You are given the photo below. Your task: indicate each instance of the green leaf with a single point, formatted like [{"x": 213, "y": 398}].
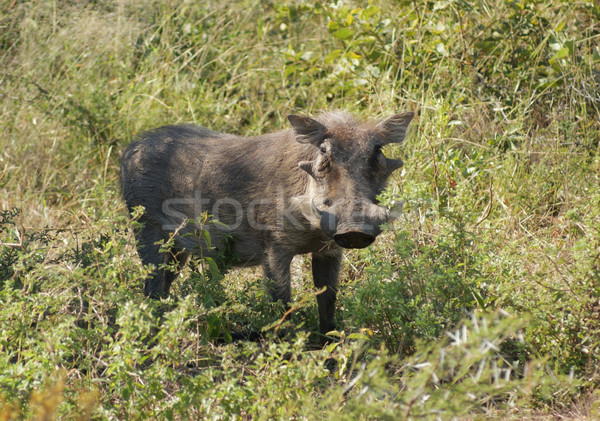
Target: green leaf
[
  {"x": 213, "y": 268},
  {"x": 559, "y": 27},
  {"x": 333, "y": 25},
  {"x": 334, "y": 333},
  {"x": 562, "y": 53},
  {"x": 570, "y": 45},
  {"x": 214, "y": 326},
  {"x": 289, "y": 70},
  {"x": 479, "y": 299},
  {"x": 332, "y": 56},
  {"x": 369, "y": 12},
  {"x": 206, "y": 236},
  {"x": 487, "y": 46},
  {"x": 343, "y": 33},
  {"x": 332, "y": 346},
  {"x": 358, "y": 336}
]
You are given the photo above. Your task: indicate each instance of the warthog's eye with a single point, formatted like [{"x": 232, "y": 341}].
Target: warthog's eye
[
  {"x": 377, "y": 151},
  {"x": 377, "y": 158}
]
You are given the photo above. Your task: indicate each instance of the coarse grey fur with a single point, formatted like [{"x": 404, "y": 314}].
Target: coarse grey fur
[{"x": 308, "y": 189}]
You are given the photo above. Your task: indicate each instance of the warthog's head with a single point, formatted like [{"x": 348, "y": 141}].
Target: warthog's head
[{"x": 348, "y": 173}]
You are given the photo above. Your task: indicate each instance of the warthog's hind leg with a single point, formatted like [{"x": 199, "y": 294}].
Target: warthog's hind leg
[
  {"x": 276, "y": 266},
  {"x": 160, "y": 280}
]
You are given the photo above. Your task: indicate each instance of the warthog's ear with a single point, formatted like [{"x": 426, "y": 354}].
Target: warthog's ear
[
  {"x": 307, "y": 129},
  {"x": 394, "y": 128}
]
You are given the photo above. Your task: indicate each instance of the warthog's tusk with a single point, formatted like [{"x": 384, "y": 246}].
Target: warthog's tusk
[{"x": 315, "y": 210}]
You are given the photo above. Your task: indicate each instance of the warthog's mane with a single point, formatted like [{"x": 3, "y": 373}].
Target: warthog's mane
[
  {"x": 345, "y": 127},
  {"x": 337, "y": 118}
]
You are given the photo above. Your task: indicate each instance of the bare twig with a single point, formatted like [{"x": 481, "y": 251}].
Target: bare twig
[
  {"x": 490, "y": 204},
  {"x": 562, "y": 276},
  {"x": 435, "y": 172},
  {"x": 297, "y": 306},
  {"x": 15, "y": 245}
]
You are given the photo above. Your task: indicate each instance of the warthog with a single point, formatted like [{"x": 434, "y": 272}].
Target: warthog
[{"x": 309, "y": 189}]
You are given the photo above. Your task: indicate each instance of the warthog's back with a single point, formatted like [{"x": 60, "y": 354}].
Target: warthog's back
[
  {"x": 178, "y": 172},
  {"x": 163, "y": 163}
]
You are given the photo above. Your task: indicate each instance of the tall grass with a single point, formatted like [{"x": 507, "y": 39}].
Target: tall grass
[{"x": 482, "y": 300}]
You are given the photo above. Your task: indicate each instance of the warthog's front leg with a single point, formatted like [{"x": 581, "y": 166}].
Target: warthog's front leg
[{"x": 325, "y": 269}]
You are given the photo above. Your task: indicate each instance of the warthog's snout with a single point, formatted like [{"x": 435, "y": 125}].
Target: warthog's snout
[
  {"x": 354, "y": 239},
  {"x": 352, "y": 226}
]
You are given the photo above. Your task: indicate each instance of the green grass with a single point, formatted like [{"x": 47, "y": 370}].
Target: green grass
[{"x": 483, "y": 299}]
